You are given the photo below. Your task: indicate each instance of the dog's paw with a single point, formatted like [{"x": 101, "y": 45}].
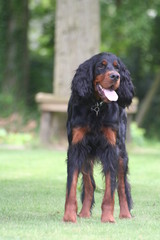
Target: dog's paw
[
  {"x": 70, "y": 217},
  {"x": 107, "y": 218}
]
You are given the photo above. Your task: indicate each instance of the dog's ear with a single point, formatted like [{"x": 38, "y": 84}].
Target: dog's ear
[
  {"x": 82, "y": 83},
  {"x": 126, "y": 89}
]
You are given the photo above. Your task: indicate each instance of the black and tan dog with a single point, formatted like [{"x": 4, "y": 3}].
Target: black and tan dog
[{"x": 96, "y": 127}]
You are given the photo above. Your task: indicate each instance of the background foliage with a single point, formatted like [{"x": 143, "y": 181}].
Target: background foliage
[
  {"x": 41, "y": 45},
  {"x": 129, "y": 28}
]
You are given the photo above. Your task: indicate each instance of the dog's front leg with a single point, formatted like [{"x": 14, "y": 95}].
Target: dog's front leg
[
  {"x": 70, "y": 214},
  {"x": 87, "y": 193},
  {"x": 108, "y": 202},
  {"x": 109, "y": 160}
]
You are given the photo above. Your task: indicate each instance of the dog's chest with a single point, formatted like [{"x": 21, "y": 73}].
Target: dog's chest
[{"x": 96, "y": 116}]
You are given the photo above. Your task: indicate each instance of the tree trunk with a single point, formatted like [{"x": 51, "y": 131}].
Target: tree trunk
[
  {"x": 15, "y": 68},
  {"x": 77, "y": 38},
  {"x": 145, "y": 105}
]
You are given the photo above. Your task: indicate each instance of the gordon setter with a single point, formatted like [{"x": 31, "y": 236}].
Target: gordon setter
[{"x": 96, "y": 127}]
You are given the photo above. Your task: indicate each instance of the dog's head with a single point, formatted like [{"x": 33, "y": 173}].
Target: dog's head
[{"x": 104, "y": 77}]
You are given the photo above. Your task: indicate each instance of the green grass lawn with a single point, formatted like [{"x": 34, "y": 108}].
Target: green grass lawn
[{"x": 32, "y": 195}]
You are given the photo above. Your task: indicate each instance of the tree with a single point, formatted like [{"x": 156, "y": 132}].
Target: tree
[
  {"x": 14, "y": 62},
  {"x": 41, "y": 47},
  {"x": 77, "y": 38}
]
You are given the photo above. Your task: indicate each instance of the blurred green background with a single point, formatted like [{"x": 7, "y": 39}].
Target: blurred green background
[{"x": 130, "y": 29}]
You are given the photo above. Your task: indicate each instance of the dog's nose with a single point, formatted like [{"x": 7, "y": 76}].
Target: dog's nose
[{"x": 114, "y": 76}]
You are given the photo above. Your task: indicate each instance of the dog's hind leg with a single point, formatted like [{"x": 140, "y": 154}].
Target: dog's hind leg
[
  {"x": 125, "y": 200},
  {"x": 88, "y": 185}
]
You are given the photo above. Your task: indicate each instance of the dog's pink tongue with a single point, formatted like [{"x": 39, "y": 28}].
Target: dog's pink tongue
[{"x": 111, "y": 95}]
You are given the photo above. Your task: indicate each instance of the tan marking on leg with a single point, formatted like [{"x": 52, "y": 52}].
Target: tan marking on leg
[
  {"x": 124, "y": 211},
  {"x": 88, "y": 196},
  {"x": 108, "y": 202},
  {"x": 70, "y": 214},
  {"x": 78, "y": 134},
  {"x": 110, "y": 134}
]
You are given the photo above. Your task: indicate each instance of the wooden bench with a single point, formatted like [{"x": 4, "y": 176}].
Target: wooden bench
[
  {"x": 53, "y": 107},
  {"x": 130, "y": 113}
]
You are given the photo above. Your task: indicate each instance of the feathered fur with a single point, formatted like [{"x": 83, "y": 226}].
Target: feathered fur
[{"x": 96, "y": 129}]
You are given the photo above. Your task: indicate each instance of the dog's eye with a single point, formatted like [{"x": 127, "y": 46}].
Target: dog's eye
[
  {"x": 115, "y": 64},
  {"x": 116, "y": 67},
  {"x": 103, "y": 64}
]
